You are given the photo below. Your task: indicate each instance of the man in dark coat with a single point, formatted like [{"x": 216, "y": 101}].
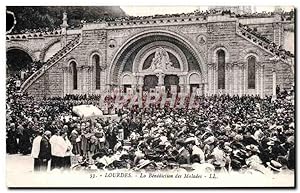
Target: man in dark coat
[
  {"x": 11, "y": 141},
  {"x": 183, "y": 156},
  {"x": 45, "y": 151}
]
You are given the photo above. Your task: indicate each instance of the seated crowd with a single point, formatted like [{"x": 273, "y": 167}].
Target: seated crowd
[{"x": 225, "y": 133}]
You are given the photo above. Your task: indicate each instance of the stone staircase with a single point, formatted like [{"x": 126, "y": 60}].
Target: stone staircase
[
  {"x": 254, "y": 37},
  {"x": 50, "y": 62}
]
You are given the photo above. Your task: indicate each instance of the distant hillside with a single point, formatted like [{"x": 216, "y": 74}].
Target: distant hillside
[{"x": 34, "y": 17}]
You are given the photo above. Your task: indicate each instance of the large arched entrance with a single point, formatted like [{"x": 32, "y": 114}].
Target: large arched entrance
[
  {"x": 159, "y": 60},
  {"x": 17, "y": 60}
]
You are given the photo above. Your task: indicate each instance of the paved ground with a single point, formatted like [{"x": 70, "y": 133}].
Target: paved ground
[{"x": 18, "y": 162}]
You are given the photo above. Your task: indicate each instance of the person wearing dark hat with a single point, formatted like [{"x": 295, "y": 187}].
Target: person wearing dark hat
[
  {"x": 45, "y": 151},
  {"x": 183, "y": 156}
]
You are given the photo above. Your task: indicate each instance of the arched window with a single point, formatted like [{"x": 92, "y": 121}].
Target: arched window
[
  {"x": 221, "y": 69},
  {"x": 96, "y": 63},
  {"x": 251, "y": 72},
  {"x": 74, "y": 72}
]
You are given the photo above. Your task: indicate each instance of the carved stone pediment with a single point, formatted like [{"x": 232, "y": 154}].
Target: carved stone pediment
[{"x": 161, "y": 62}]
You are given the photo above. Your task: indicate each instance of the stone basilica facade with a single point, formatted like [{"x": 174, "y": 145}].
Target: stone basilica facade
[{"x": 209, "y": 55}]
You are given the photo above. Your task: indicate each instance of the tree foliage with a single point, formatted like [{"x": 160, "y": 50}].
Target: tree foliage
[{"x": 34, "y": 17}]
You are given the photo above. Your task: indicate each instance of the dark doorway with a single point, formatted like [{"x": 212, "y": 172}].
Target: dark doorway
[
  {"x": 193, "y": 87},
  {"x": 126, "y": 87},
  {"x": 150, "y": 81},
  {"x": 171, "y": 80},
  {"x": 17, "y": 60}
]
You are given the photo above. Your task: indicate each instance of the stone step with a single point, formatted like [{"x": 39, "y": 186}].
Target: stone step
[{"x": 55, "y": 58}]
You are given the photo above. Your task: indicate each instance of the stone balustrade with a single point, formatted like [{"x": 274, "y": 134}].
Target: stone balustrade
[
  {"x": 156, "y": 21},
  {"x": 51, "y": 61},
  {"x": 27, "y": 36},
  {"x": 271, "y": 47}
]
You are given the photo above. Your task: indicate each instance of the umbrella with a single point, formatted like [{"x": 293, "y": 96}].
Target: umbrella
[{"x": 87, "y": 111}]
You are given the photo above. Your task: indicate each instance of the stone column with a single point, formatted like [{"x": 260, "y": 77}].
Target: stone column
[
  {"x": 235, "y": 78},
  {"x": 245, "y": 80},
  {"x": 257, "y": 78},
  {"x": 205, "y": 89},
  {"x": 231, "y": 92},
  {"x": 262, "y": 80},
  {"x": 228, "y": 79},
  {"x": 65, "y": 77},
  {"x": 70, "y": 80},
  {"x": 82, "y": 79},
  {"x": 215, "y": 80},
  {"x": 140, "y": 80},
  {"x": 160, "y": 79},
  {"x": 210, "y": 79},
  {"x": 183, "y": 87},
  {"x": 274, "y": 83},
  {"x": 88, "y": 79},
  {"x": 241, "y": 78}
]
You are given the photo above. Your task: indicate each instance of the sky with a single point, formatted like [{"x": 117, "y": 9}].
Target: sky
[{"x": 152, "y": 10}]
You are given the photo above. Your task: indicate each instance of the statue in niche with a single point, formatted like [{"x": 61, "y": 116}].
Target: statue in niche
[{"x": 161, "y": 60}]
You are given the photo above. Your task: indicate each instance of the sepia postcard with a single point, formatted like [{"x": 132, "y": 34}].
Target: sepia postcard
[{"x": 150, "y": 97}]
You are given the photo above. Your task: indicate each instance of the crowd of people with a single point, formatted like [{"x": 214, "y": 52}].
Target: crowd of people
[
  {"x": 18, "y": 77},
  {"x": 285, "y": 16},
  {"x": 278, "y": 49},
  {"x": 225, "y": 133},
  {"x": 40, "y": 30}
]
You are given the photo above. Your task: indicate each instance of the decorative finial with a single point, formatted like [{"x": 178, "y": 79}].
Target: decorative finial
[{"x": 65, "y": 20}]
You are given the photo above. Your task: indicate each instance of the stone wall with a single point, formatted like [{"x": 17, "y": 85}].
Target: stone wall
[{"x": 57, "y": 81}]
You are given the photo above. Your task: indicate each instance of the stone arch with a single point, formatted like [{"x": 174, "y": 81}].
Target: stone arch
[
  {"x": 170, "y": 34},
  {"x": 249, "y": 54},
  {"x": 194, "y": 75},
  {"x": 150, "y": 48},
  {"x": 212, "y": 54},
  {"x": 90, "y": 55},
  {"x": 24, "y": 49},
  {"x": 46, "y": 48},
  {"x": 126, "y": 78},
  {"x": 69, "y": 60},
  {"x": 96, "y": 73},
  {"x": 73, "y": 65}
]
